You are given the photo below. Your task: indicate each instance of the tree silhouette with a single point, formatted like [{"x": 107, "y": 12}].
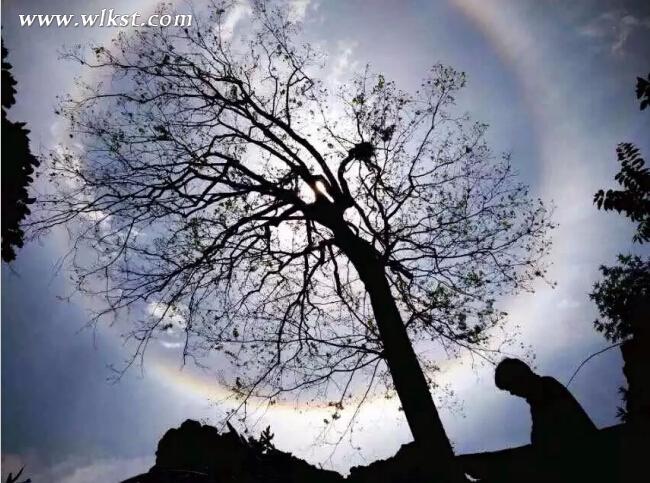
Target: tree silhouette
[
  {"x": 315, "y": 240},
  {"x": 626, "y": 285},
  {"x": 643, "y": 91},
  {"x": 618, "y": 294},
  {"x": 634, "y": 199},
  {"x": 18, "y": 165},
  {"x": 623, "y": 295}
]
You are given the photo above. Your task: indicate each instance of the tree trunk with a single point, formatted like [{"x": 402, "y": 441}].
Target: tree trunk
[{"x": 408, "y": 378}]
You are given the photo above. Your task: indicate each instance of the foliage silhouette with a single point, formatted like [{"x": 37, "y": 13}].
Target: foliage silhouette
[
  {"x": 634, "y": 199},
  {"x": 18, "y": 165},
  {"x": 14, "y": 479},
  {"x": 317, "y": 241},
  {"x": 618, "y": 293},
  {"x": 623, "y": 295},
  {"x": 643, "y": 91}
]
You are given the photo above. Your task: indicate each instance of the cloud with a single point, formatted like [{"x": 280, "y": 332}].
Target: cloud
[
  {"x": 107, "y": 470},
  {"x": 343, "y": 62},
  {"x": 298, "y": 9},
  {"x": 174, "y": 322},
  {"x": 240, "y": 11},
  {"x": 166, "y": 313},
  {"x": 76, "y": 469},
  {"x": 171, "y": 345},
  {"x": 614, "y": 28},
  {"x": 568, "y": 304}
]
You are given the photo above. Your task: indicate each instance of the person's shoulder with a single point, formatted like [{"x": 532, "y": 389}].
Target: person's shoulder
[
  {"x": 552, "y": 385},
  {"x": 550, "y": 381}
]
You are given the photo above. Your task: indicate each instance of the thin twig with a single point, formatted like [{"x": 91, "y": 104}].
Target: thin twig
[{"x": 590, "y": 357}]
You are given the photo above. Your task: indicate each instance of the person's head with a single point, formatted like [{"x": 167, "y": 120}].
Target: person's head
[{"x": 514, "y": 376}]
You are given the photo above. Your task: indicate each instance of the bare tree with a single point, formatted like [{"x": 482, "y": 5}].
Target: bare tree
[{"x": 310, "y": 237}]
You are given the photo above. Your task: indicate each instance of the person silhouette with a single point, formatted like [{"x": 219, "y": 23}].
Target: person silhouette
[
  {"x": 563, "y": 437},
  {"x": 559, "y": 422}
]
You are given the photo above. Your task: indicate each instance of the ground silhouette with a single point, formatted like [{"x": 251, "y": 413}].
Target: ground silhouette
[{"x": 196, "y": 453}]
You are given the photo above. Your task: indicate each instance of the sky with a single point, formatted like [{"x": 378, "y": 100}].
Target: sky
[{"x": 555, "y": 81}]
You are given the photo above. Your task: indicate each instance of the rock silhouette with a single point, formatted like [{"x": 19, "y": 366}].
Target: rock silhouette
[{"x": 196, "y": 453}]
